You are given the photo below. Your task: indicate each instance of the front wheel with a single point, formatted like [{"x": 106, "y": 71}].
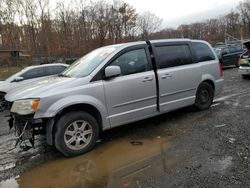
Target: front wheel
[
  {"x": 204, "y": 96},
  {"x": 76, "y": 133}
]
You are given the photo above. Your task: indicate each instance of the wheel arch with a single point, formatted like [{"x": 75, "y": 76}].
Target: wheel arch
[
  {"x": 92, "y": 110},
  {"x": 209, "y": 81}
]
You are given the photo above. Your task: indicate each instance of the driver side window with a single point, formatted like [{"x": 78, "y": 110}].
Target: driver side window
[{"x": 132, "y": 62}]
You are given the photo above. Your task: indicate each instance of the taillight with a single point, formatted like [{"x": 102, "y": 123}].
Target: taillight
[{"x": 221, "y": 72}]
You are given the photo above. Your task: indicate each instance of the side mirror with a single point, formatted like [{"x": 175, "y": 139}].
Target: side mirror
[
  {"x": 18, "y": 79},
  {"x": 112, "y": 71}
]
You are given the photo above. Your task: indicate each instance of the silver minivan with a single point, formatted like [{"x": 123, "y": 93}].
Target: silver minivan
[{"x": 113, "y": 86}]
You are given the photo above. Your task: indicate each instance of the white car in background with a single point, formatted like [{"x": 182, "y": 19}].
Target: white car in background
[{"x": 30, "y": 74}]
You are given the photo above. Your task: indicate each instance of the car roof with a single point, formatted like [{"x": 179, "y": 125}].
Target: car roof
[
  {"x": 126, "y": 44},
  {"x": 227, "y": 45},
  {"x": 47, "y": 65},
  {"x": 154, "y": 42},
  {"x": 169, "y": 40}
]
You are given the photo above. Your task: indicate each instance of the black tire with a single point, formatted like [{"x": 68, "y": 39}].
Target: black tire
[
  {"x": 204, "y": 96},
  {"x": 68, "y": 121}
]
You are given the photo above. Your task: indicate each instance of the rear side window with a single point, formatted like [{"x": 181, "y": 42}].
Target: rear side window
[
  {"x": 173, "y": 55},
  {"x": 232, "y": 49},
  {"x": 203, "y": 52},
  {"x": 34, "y": 73},
  {"x": 238, "y": 48},
  {"x": 51, "y": 70}
]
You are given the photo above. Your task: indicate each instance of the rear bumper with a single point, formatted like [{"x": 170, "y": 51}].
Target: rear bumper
[
  {"x": 244, "y": 70},
  {"x": 219, "y": 86}
]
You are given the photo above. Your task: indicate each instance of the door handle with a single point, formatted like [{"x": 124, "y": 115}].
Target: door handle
[
  {"x": 166, "y": 76},
  {"x": 147, "y": 79}
]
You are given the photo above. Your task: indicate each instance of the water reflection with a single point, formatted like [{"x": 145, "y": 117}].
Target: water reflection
[{"x": 113, "y": 164}]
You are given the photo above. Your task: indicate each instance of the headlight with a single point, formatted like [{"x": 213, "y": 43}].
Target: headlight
[{"x": 25, "y": 107}]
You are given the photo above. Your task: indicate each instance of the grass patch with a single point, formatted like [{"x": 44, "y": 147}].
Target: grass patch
[{"x": 5, "y": 72}]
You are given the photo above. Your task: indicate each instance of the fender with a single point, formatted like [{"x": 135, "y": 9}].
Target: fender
[
  {"x": 207, "y": 77},
  {"x": 58, "y": 106},
  {"x": 64, "y": 102}
]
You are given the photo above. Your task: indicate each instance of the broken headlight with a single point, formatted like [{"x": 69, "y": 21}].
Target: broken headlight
[{"x": 25, "y": 107}]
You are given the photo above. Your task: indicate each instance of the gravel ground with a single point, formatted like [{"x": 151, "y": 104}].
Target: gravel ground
[
  {"x": 180, "y": 149},
  {"x": 216, "y": 147}
]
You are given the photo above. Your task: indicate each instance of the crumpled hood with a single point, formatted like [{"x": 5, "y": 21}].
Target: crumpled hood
[{"x": 43, "y": 88}]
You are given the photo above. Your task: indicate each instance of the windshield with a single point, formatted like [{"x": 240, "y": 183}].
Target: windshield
[{"x": 85, "y": 65}]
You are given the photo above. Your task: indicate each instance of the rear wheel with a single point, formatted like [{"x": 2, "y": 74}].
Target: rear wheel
[
  {"x": 76, "y": 133},
  {"x": 204, "y": 96}
]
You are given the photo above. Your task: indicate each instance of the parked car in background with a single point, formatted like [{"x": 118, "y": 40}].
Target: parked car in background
[
  {"x": 245, "y": 61},
  {"x": 113, "y": 86},
  {"x": 229, "y": 54},
  {"x": 29, "y": 74}
]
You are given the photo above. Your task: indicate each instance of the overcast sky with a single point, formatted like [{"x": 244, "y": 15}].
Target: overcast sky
[{"x": 176, "y": 12}]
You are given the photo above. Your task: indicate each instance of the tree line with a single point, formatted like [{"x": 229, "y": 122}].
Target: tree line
[
  {"x": 71, "y": 30},
  {"x": 233, "y": 26}
]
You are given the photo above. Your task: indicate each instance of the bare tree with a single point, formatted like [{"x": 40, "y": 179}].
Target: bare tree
[
  {"x": 148, "y": 23},
  {"x": 75, "y": 29},
  {"x": 244, "y": 11}
]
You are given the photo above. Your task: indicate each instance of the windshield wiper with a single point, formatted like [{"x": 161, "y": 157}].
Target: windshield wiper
[{"x": 63, "y": 75}]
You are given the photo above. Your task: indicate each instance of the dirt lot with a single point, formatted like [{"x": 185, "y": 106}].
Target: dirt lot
[{"x": 179, "y": 149}]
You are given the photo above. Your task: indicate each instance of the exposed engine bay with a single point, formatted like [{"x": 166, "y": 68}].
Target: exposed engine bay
[{"x": 25, "y": 130}]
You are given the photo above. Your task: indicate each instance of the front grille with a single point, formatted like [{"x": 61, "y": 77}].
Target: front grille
[
  {"x": 2, "y": 96},
  {"x": 2, "y": 102},
  {"x": 8, "y": 105},
  {"x": 5, "y": 105}
]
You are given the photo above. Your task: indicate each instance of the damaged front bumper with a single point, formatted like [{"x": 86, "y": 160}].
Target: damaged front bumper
[
  {"x": 4, "y": 105},
  {"x": 26, "y": 128}
]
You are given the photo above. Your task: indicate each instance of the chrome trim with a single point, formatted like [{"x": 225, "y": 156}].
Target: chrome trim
[
  {"x": 134, "y": 101},
  {"x": 180, "y": 91}
]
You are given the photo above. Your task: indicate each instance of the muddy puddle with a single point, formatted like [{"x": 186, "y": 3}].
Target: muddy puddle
[{"x": 119, "y": 163}]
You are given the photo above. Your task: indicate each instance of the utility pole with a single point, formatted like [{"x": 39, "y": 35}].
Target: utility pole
[
  {"x": 225, "y": 36},
  {"x": 113, "y": 25},
  {"x": 113, "y": 22},
  {"x": 182, "y": 34},
  {"x": 241, "y": 34}
]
